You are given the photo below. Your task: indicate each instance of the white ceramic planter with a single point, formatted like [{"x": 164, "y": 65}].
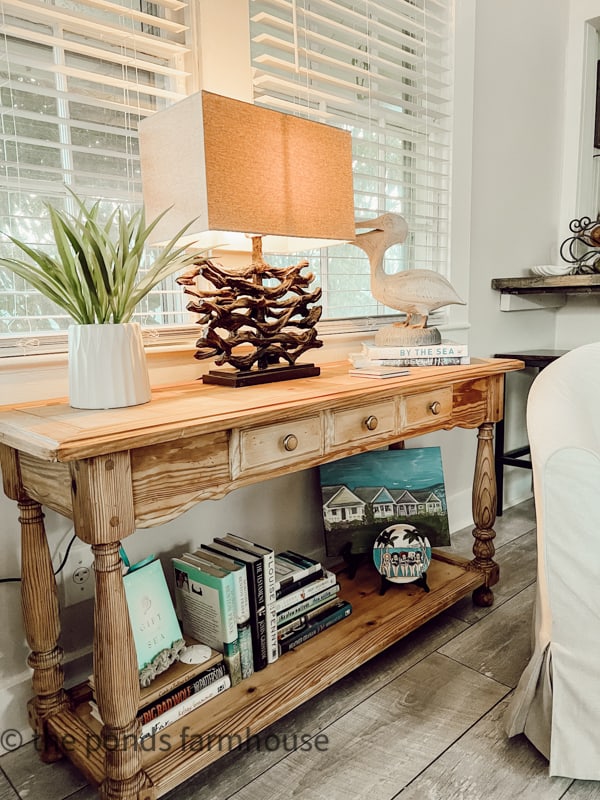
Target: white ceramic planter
[{"x": 107, "y": 366}]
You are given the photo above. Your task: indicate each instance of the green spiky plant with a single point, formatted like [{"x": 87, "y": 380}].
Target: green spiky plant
[{"x": 95, "y": 276}]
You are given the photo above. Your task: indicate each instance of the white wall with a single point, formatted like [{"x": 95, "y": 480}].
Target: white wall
[
  {"x": 579, "y": 321},
  {"x": 517, "y": 151},
  {"x": 508, "y": 171}
]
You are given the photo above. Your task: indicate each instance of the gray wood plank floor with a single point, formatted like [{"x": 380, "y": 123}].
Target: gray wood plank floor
[{"x": 422, "y": 721}]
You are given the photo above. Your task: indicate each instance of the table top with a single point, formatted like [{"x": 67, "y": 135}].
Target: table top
[{"x": 53, "y": 431}]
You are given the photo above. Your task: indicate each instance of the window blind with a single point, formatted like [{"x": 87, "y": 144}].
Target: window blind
[
  {"x": 383, "y": 70},
  {"x": 75, "y": 79}
]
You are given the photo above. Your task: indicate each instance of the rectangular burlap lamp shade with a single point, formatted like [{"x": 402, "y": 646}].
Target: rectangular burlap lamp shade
[{"x": 242, "y": 169}]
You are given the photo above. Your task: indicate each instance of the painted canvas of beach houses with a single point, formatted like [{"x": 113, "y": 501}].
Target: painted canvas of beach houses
[{"x": 366, "y": 493}]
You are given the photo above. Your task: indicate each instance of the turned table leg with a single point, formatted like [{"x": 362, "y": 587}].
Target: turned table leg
[
  {"x": 116, "y": 677},
  {"x": 484, "y": 515},
  {"x": 39, "y": 602},
  {"x": 103, "y": 515},
  {"x": 42, "y": 624}
]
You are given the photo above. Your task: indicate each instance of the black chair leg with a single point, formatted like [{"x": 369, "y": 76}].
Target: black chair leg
[{"x": 499, "y": 467}]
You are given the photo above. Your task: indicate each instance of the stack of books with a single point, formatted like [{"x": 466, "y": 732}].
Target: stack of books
[
  {"x": 225, "y": 598},
  {"x": 384, "y": 360},
  {"x": 307, "y": 599},
  {"x": 179, "y": 690},
  {"x": 240, "y": 598}
]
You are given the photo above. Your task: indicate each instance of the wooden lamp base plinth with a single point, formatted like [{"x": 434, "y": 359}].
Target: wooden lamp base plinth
[{"x": 254, "y": 377}]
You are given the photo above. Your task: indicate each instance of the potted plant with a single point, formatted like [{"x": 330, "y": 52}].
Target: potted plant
[{"x": 95, "y": 277}]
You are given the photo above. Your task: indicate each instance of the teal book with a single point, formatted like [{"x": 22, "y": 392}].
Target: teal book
[
  {"x": 225, "y": 565},
  {"x": 205, "y": 600},
  {"x": 239, "y": 573},
  {"x": 256, "y": 596},
  {"x": 153, "y": 619}
]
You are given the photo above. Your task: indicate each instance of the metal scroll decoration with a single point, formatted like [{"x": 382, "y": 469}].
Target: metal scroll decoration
[
  {"x": 254, "y": 316},
  {"x": 583, "y": 248}
]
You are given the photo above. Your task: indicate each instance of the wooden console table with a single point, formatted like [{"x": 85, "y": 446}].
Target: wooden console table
[{"x": 117, "y": 470}]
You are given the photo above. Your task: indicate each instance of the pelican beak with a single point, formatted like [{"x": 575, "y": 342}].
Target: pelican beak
[{"x": 372, "y": 224}]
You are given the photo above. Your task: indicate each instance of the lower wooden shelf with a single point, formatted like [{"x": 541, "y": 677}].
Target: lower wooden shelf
[{"x": 201, "y": 737}]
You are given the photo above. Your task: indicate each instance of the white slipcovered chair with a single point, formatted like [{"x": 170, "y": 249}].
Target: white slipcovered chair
[{"x": 557, "y": 701}]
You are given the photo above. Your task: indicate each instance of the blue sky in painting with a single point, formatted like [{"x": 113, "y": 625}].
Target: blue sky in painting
[{"x": 413, "y": 468}]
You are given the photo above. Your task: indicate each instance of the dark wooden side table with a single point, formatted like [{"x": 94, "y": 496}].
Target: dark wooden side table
[{"x": 518, "y": 456}]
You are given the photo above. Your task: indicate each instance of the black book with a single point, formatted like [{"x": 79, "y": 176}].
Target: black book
[
  {"x": 268, "y": 556},
  {"x": 256, "y": 596},
  {"x": 320, "y": 622},
  {"x": 288, "y": 588},
  {"x": 177, "y": 696},
  {"x": 291, "y": 568}
]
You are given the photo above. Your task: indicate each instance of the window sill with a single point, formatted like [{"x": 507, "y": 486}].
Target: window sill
[{"x": 44, "y": 375}]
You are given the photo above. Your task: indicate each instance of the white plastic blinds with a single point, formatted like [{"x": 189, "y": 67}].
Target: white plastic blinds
[
  {"x": 383, "y": 70},
  {"x": 75, "y": 79}
]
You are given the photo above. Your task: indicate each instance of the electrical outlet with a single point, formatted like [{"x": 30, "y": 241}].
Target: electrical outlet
[{"x": 78, "y": 574}]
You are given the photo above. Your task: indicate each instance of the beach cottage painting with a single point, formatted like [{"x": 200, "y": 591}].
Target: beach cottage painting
[{"x": 364, "y": 494}]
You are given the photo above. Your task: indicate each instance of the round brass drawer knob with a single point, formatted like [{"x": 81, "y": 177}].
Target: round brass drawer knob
[
  {"x": 290, "y": 442},
  {"x": 371, "y": 422},
  {"x": 435, "y": 407}
]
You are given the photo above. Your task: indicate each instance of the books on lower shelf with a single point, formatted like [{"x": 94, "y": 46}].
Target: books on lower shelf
[
  {"x": 186, "y": 699},
  {"x": 256, "y": 594},
  {"x": 288, "y": 593},
  {"x": 328, "y": 580},
  {"x": 154, "y": 623},
  {"x": 310, "y": 606},
  {"x": 179, "y": 683},
  {"x": 242, "y": 605},
  {"x": 178, "y": 695},
  {"x": 176, "y": 676},
  {"x": 240, "y": 545},
  {"x": 179, "y": 710},
  {"x": 376, "y": 358},
  {"x": 319, "y": 621},
  {"x": 299, "y": 621},
  {"x": 206, "y": 605},
  {"x": 293, "y": 570},
  {"x": 320, "y": 598}
]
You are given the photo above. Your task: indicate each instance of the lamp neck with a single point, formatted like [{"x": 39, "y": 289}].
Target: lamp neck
[{"x": 257, "y": 252}]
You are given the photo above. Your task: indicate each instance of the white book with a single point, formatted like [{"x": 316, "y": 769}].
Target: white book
[
  {"x": 362, "y": 365},
  {"x": 328, "y": 579},
  {"x": 378, "y": 371},
  {"x": 183, "y": 708},
  {"x": 447, "y": 349},
  {"x": 318, "y": 599}
]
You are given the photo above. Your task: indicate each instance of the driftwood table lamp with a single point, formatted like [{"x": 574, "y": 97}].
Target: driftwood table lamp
[{"x": 252, "y": 178}]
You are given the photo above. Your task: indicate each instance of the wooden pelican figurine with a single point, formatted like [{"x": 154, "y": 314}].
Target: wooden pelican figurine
[{"x": 417, "y": 292}]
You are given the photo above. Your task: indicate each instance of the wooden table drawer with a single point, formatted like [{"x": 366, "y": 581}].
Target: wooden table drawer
[
  {"x": 417, "y": 410},
  {"x": 363, "y": 422},
  {"x": 269, "y": 445}
]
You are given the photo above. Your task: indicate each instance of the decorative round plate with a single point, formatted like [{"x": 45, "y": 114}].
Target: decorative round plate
[{"x": 401, "y": 554}]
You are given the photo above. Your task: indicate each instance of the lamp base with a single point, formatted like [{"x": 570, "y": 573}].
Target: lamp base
[{"x": 253, "y": 377}]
